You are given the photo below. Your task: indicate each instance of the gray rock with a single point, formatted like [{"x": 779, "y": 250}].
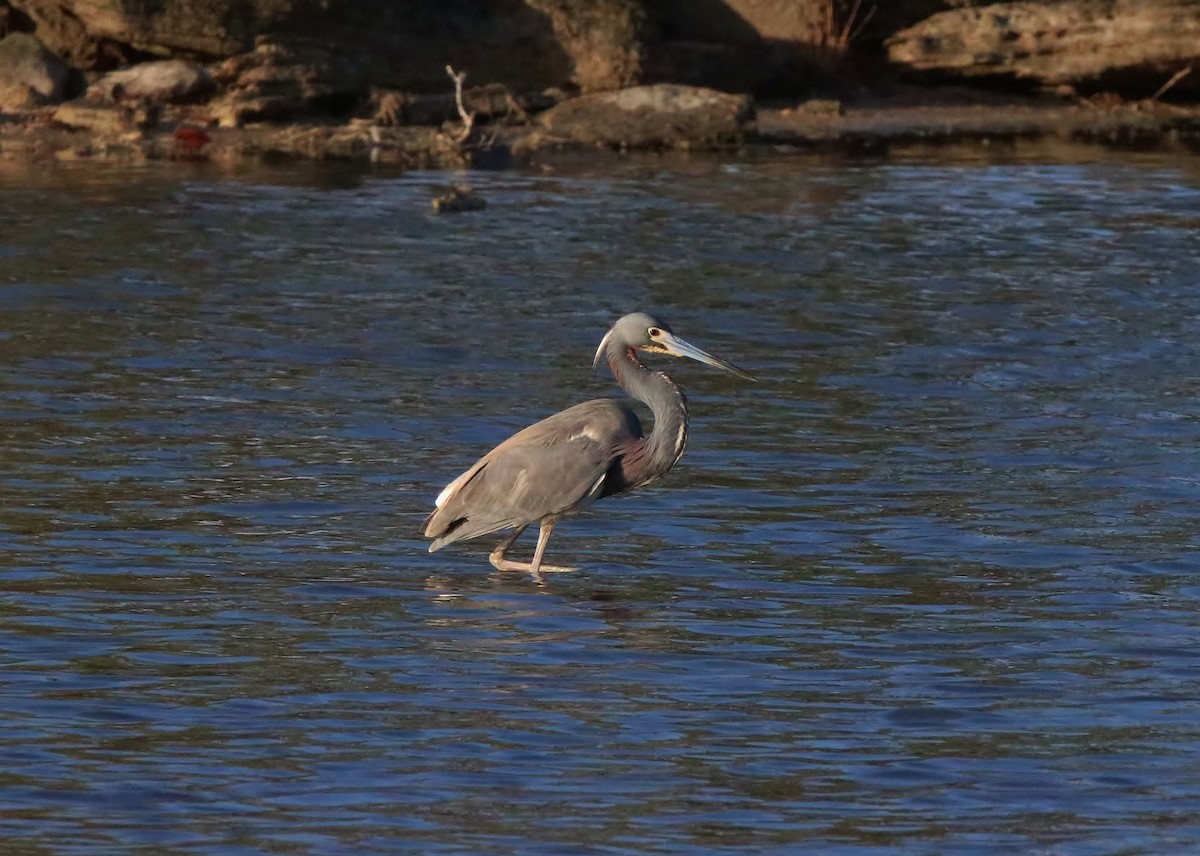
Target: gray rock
[
  {"x": 1131, "y": 46},
  {"x": 659, "y": 116},
  {"x": 167, "y": 81},
  {"x": 30, "y": 75}
]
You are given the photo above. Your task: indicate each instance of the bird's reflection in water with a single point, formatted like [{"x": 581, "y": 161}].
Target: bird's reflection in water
[{"x": 507, "y": 609}]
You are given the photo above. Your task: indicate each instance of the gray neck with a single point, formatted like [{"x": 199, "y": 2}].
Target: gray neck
[{"x": 664, "y": 445}]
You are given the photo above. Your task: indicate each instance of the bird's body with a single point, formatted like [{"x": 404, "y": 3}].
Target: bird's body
[
  {"x": 564, "y": 463},
  {"x": 551, "y": 468}
]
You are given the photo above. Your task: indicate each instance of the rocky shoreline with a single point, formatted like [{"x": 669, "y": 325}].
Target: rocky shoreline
[
  {"x": 108, "y": 134},
  {"x": 595, "y": 77}
]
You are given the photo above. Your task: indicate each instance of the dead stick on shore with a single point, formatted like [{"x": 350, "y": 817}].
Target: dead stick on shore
[
  {"x": 1175, "y": 78},
  {"x": 468, "y": 119},
  {"x": 854, "y": 25}
]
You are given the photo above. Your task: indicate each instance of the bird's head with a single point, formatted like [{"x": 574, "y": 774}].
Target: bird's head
[{"x": 638, "y": 331}]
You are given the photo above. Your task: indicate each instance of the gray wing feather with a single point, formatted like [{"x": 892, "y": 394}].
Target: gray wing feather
[{"x": 550, "y": 468}]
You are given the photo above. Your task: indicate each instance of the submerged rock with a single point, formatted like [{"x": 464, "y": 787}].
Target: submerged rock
[
  {"x": 457, "y": 200},
  {"x": 1132, "y": 47},
  {"x": 660, "y": 116},
  {"x": 30, "y": 75}
]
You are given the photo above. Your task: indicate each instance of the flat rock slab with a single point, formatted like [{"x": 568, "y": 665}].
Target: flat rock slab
[
  {"x": 100, "y": 119},
  {"x": 652, "y": 117},
  {"x": 1129, "y": 46},
  {"x": 880, "y": 127}
]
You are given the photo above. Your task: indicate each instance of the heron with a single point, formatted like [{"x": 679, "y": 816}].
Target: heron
[{"x": 564, "y": 463}]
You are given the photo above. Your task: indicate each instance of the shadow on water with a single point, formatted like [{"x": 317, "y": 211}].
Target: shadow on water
[{"x": 927, "y": 587}]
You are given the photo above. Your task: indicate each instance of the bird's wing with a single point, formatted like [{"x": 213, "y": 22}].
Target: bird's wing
[{"x": 552, "y": 467}]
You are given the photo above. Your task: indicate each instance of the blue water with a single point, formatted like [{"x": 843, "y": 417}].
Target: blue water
[{"x": 930, "y": 586}]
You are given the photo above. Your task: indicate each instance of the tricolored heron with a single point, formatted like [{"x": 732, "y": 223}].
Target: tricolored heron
[{"x": 567, "y": 461}]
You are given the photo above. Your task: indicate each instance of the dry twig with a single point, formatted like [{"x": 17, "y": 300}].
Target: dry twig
[
  {"x": 1175, "y": 78},
  {"x": 840, "y": 23},
  {"x": 468, "y": 119}
]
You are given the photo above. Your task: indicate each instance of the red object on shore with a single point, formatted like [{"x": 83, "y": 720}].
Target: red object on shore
[{"x": 190, "y": 142}]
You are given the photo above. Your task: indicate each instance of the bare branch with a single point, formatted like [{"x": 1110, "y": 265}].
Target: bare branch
[
  {"x": 839, "y": 23},
  {"x": 1175, "y": 78},
  {"x": 468, "y": 119}
]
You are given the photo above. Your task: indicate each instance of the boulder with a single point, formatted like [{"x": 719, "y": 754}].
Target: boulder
[
  {"x": 174, "y": 81},
  {"x": 603, "y": 40},
  {"x": 1130, "y": 46},
  {"x": 402, "y": 44},
  {"x": 30, "y": 75},
  {"x": 659, "y": 116}
]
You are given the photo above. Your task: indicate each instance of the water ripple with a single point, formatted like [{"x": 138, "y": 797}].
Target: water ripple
[{"x": 928, "y": 587}]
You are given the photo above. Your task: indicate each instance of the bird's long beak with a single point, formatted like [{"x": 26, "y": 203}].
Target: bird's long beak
[
  {"x": 678, "y": 347},
  {"x": 596, "y": 360}
]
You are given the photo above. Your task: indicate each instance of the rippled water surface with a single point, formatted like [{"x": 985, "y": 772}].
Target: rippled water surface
[{"x": 930, "y": 586}]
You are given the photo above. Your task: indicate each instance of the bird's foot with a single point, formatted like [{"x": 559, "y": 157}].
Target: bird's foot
[{"x": 502, "y": 564}]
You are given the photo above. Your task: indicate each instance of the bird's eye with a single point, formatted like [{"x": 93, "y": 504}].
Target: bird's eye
[{"x": 654, "y": 332}]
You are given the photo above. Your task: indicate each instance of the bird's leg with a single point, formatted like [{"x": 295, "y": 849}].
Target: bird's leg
[
  {"x": 497, "y": 556},
  {"x": 543, "y": 539},
  {"x": 535, "y": 567}
]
